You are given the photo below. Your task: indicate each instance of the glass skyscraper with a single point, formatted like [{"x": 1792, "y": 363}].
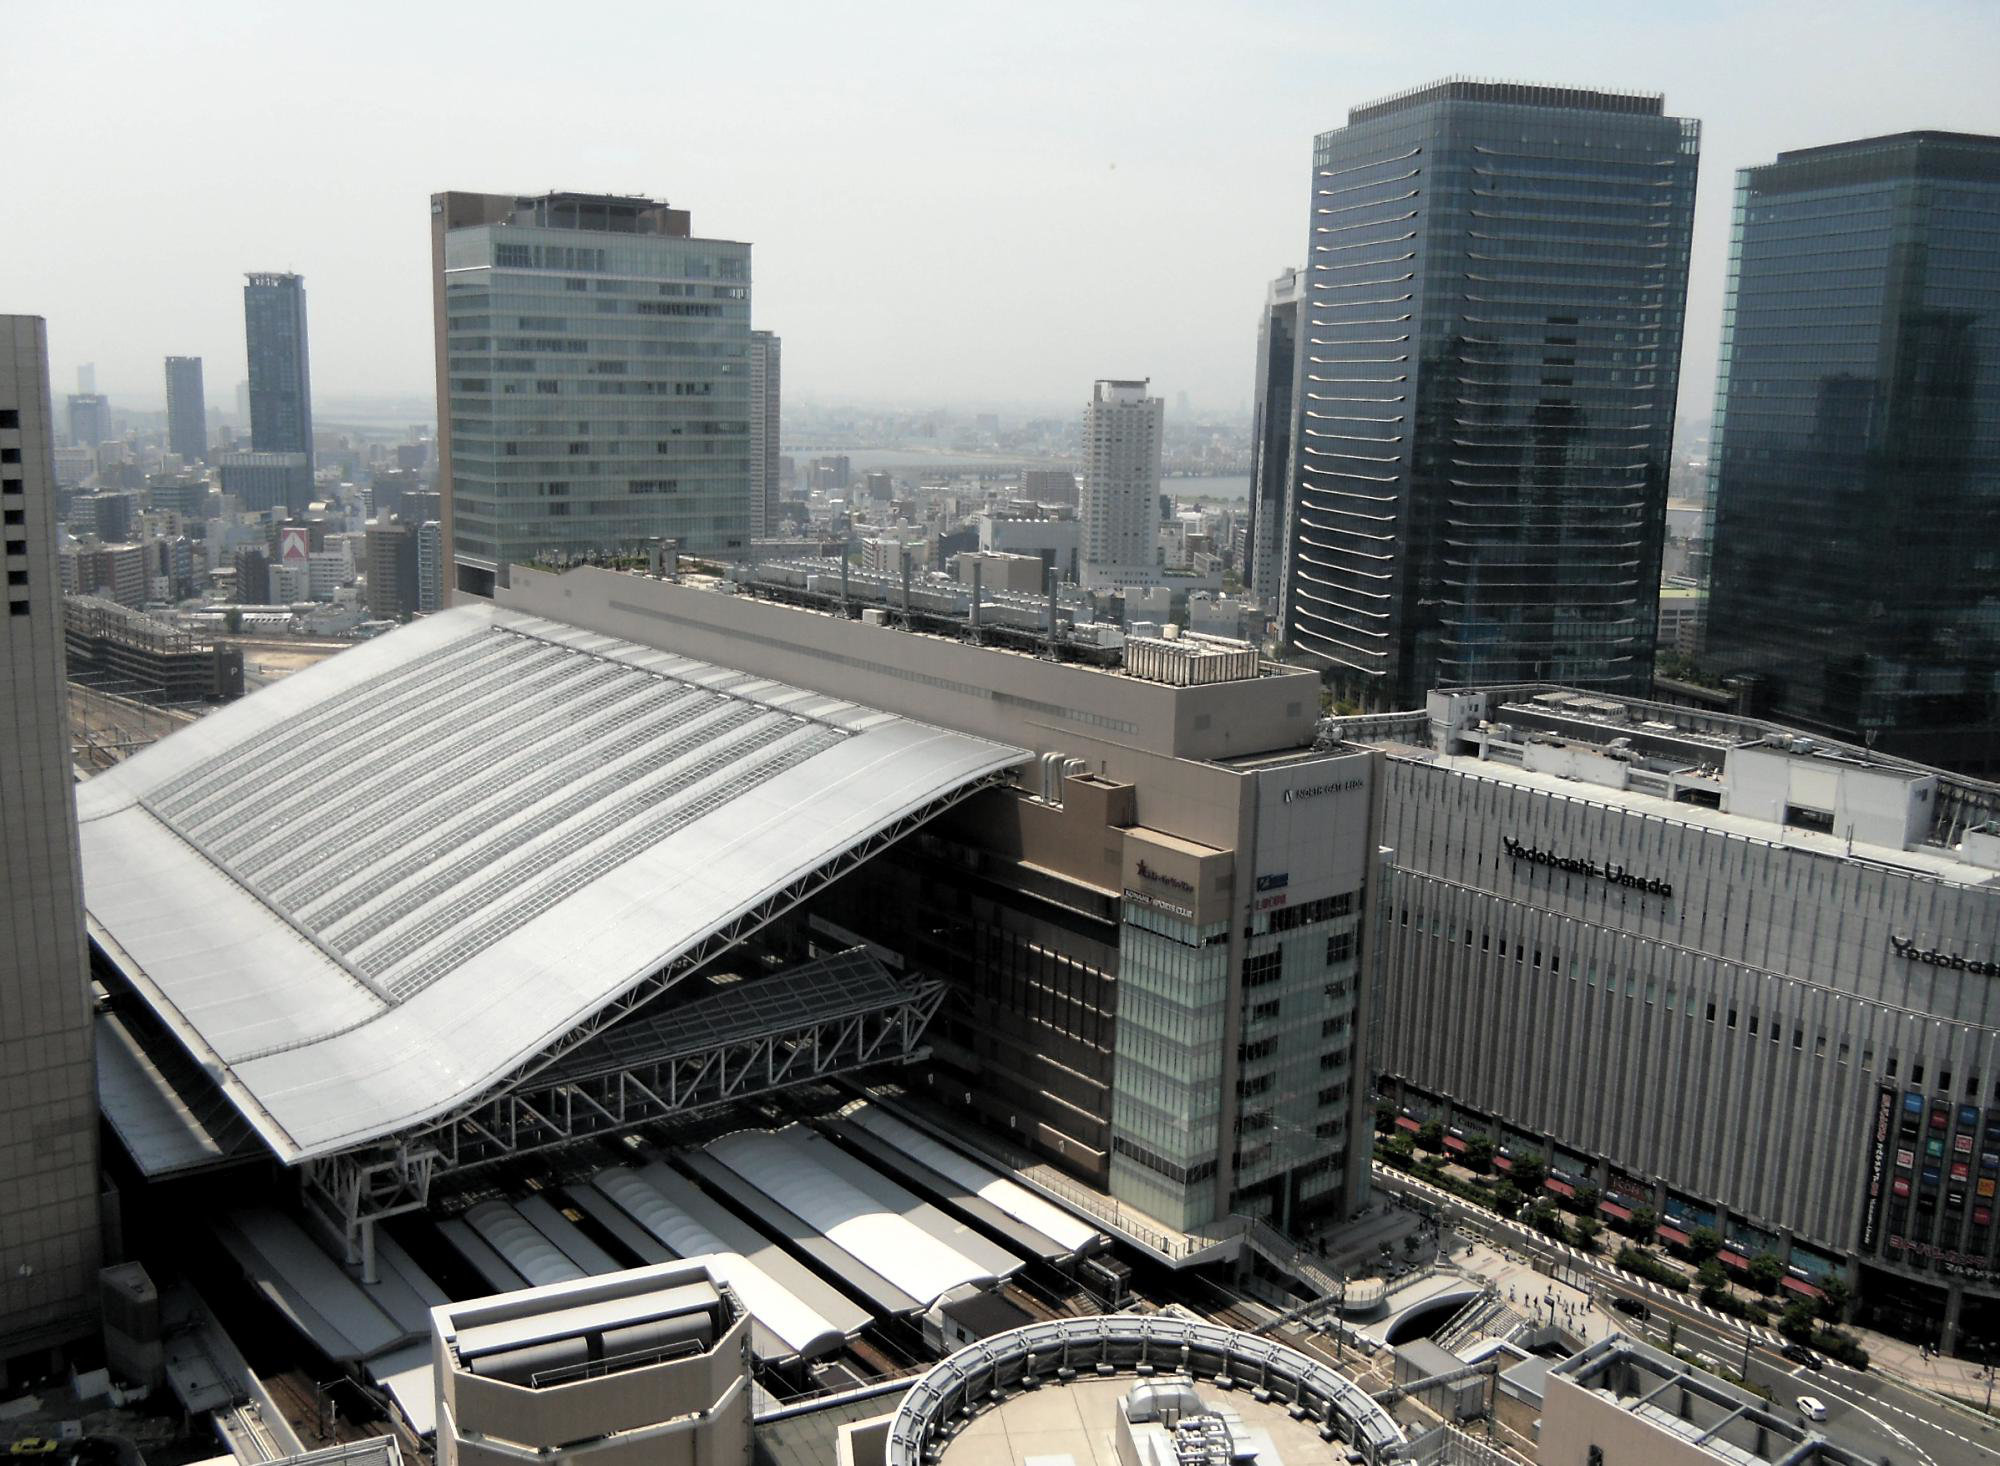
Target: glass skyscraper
[
  {"x": 594, "y": 381},
  {"x": 1271, "y": 436},
  {"x": 1855, "y": 475},
  {"x": 274, "y": 329},
  {"x": 187, "y": 411},
  {"x": 1495, "y": 283}
]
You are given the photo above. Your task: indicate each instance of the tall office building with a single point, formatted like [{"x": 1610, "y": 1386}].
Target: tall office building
[
  {"x": 766, "y": 485},
  {"x": 48, "y": 1125},
  {"x": 89, "y": 419},
  {"x": 274, "y": 329},
  {"x": 1123, "y": 430},
  {"x": 260, "y": 481},
  {"x": 430, "y": 567},
  {"x": 1857, "y": 533},
  {"x": 187, "y": 412},
  {"x": 1495, "y": 282},
  {"x": 1271, "y": 434},
  {"x": 594, "y": 380},
  {"x": 393, "y": 571}
]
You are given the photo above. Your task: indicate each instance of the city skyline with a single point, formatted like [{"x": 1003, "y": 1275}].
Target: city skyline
[{"x": 1088, "y": 163}]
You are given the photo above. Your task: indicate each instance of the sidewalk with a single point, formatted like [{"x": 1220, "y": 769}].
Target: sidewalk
[{"x": 1959, "y": 1379}]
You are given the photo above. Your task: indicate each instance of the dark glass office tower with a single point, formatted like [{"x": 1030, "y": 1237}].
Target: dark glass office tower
[
  {"x": 274, "y": 328},
  {"x": 1495, "y": 282},
  {"x": 1856, "y": 473},
  {"x": 187, "y": 411},
  {"x": 1271, "y": 435}
]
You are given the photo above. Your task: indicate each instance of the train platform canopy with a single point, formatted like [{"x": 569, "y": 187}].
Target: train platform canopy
[
  {"x": 378, "y": 890},
  {"x": 883, "y": 1242}
]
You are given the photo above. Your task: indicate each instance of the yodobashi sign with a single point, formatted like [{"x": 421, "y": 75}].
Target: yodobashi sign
[
  {"x": 1878, "y": 1167},
  {"x": 1617, "y": 875},
  {"x": 1907, "y": 948}
]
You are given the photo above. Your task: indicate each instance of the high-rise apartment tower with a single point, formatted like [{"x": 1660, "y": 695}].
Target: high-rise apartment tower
[
  {"x": 1271, "y": 434},
  {"x": 187, "y": 412},
  {"x": 48, "y": 1125},
  {"x": 1123, "y": 429},
  {"x": 1495, "y": 282},
  {"x": 593, "y": 363},
  {"x": 274, "y": 331},
  {"x": 766, "y": 484},
  {"x": 1857, "y": 532}
]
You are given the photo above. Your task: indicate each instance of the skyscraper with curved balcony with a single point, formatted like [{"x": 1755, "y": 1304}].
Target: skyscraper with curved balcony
[{"x": 1490, "y": 336}]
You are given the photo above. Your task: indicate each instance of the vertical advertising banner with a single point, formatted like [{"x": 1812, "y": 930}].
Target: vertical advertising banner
[{"x": 1878, "y": 1167}]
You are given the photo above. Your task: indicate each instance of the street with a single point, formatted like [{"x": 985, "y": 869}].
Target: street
[{"x": 1896, "y": 1420}]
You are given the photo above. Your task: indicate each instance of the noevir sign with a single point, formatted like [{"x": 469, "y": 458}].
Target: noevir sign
[
  {"x": 1957, "y": 961},
  {"x": 1617, "y": 875}
]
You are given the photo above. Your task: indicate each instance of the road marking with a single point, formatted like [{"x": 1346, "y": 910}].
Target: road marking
[{"x": 1854, "y": 1402}]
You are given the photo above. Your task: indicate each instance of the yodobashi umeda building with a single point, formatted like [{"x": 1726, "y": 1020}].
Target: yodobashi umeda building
[{"x": 1709, "y": 966}]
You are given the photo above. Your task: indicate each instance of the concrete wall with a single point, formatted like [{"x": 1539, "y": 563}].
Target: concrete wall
[
  {"x": 48, "y": 1096},
  {"x": 1501, "y": 963},
  {"x": 1574, "y": 1420},
  {"x": 1130, "y": 731}
]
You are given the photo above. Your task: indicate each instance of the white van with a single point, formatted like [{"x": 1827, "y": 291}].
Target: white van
[{"x": 1812, "y": 1407}]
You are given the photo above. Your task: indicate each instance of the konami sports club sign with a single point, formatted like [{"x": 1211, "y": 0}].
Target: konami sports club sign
[{"x": 1617, "y": 875}]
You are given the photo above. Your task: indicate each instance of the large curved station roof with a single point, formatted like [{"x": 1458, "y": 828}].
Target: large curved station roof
[{"x": 370, "y": 893}]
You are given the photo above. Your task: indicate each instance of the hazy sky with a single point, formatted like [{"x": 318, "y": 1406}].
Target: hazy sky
[{"x": 950, "y": 204}]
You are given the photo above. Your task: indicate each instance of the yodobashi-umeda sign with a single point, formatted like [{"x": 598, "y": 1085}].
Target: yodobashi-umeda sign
[
  {"x": 1906, "y": 947},
  {"x": 1617, "y": 875},
  {"x": 1878, "y": 1167}
]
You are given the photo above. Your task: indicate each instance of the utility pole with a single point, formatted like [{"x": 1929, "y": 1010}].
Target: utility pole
[{"x": 1746, "y": 1354}]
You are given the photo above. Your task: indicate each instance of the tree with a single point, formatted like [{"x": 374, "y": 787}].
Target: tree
[
  {"x": 1385, "y": 1116},
  {"x": 1587, "y": 1229},
  {"x": 1411, "y": 1241},
  {"x": 1431, "y": 1137},
  {"x": 1507, "y": 1202},
  {"x": 1797, "y": 1321},
  {"x": 1528, "y": 1172},
  {"x": 1834, "y": 1296},
  {"x": 1402, "y": 1150},
  {"x": 232, "y": 620},
  {"x": 1765, "y": 1270},
  {"x": 1479, "y": 1153},
  {"x": 1704, "y": 1243},
  {"x": 1713, "y": 1280},
  {"x": 1644, "y": 1220},
  {"x": 1543, "y": 1217},
  {"x": 1586, "y": 1199}
]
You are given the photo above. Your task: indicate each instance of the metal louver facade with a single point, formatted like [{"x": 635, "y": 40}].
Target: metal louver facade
[{"x": 1495, "y": 288}]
